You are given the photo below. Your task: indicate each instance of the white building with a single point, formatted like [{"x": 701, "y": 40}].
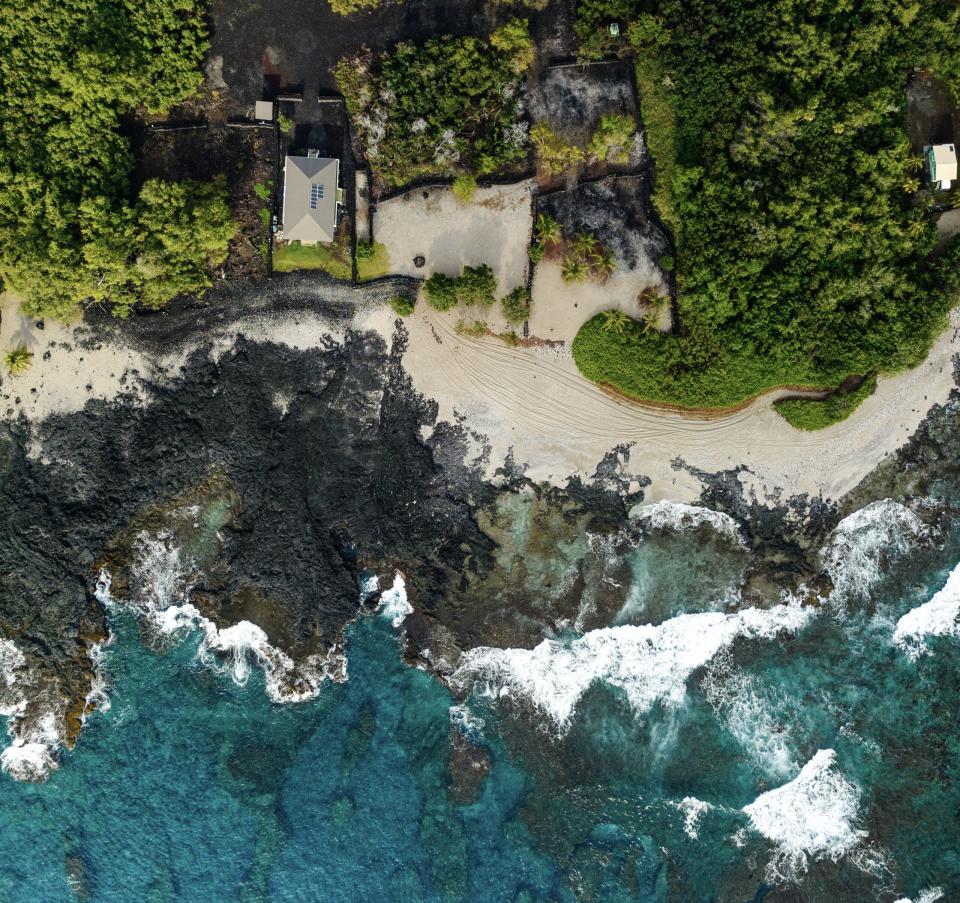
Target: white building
[{"x": 942, "y": 165}]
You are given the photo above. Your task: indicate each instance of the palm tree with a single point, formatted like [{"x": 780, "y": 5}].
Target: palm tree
[
  {"x": 604, "y": 264},
  {"x": 585, "y": 245},
  {"x": 650, "y": 321},
  {"x": 547, "y": 229},
  {"x": 18, "y": 360},
  {"x": 615, "y": 321},
  {"x": 573, "y": 270}
]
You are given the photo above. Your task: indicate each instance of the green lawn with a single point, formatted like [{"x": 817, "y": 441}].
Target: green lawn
[
  {"x": 294, "y": 256},
  {"x": 374, "y": 266}
]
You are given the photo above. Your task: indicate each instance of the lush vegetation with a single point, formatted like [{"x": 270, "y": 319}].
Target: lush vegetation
[
  {"x": 811, "y": 414},
  {"x": 803, "y": 248},
  {"x": 582, "y": 255},
  {"x": 474, "y": 285},
  {"x": 613, "y": 138},
  {"x": 346, "y": 7},
  {"x": 403, "y": 305},
  {"x": 465, "y": 187},
  {"x": 446, "y": 105},
  {"x": 516, "y": 305},
  {"x": 373, "y": 260},
  {"x": 72, "y": 230},
  {"x": 18, "y": 360},
  {"x": 554, "y": 154}
]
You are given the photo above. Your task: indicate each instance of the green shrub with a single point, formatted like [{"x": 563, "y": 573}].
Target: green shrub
[
  {"x": 536, "y": 252},
  {"x": 403, "y": 305},
  {"x": 365, "y": 250},
  {"x": 346, "y": 7},
  {"x": 516, "y": 305},
  {"x": 810, "y": 414},
  {"x": 261, "y": 191},
  {"x": 612, "y": 139},
  {"x": 440, "y": 292},
  {"x": 476, "y": 285},
  {"x": 475, "y": 329},
  {"x": 667, "y": 263},
  {"x": 465, "y": 187},
  {"x": 554, "y": 155},
  {"x": 18, "y": 360}
]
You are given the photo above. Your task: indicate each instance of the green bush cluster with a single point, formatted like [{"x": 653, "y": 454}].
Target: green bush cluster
[
  {"x": 474, "y": 285},
  {"x": 554, "y": 154},
  {"x": 811, "y": 414},
  {"x": 445, "y": 105},
  {"x": 802, "y": 255},
  {"x": 612, "y": 138},
  {"x": 346, "y": 7},
  {"x": 465, "y": 187},
  {"x": 71, "y": 229},
  {"x": 516, "y": 305},
  {"x": 403, "y": 305}
]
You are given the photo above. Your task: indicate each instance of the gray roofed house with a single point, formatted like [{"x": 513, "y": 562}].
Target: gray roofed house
[{"x": 310, "y": 195}]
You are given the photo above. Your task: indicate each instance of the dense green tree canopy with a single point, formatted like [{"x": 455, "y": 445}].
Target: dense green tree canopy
[
  {"x": 804, "y": 246},
  {"x": 70, "y": 231},
  {"x": 450, "y": 103}
]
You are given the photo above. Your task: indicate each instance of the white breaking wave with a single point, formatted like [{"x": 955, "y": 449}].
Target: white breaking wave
[
  {"x": 938, "y": 617},
  {"x": 814, "y": 816},
  {"x": 97, "y": 698},
  {"x": 693, "y": 810},
  {"x": 649, "y": 663},
  {"x": 743, "y": 706},
  {"x": 855, "y": 549},
  {"x": 393, "y": 603},
  {"x": 681, "y": 518},
  {"x": 927, "y": 895},
  {"x": 31, "y": 755},
  {"x": 163, "y": 582},
  {"x": 34, "y": 739}
]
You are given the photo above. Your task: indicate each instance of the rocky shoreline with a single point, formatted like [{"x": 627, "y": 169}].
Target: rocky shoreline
[{"x": 286, "y": 477}]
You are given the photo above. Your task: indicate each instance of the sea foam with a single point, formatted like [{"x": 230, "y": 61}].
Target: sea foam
[
  {"x": 162, "y": 581},
  {"x": 678, "y": 517},
  {"x": 853, "y": 552},
  {"x": 393, "y": 602},
  {"x": 649, "y": 663},
  {"x": 35, "y": 737},
  {"x": 814, "y": 816},
  {"x": 927, "y": 895},
  {"x": 938, "y": 617},
  {"x": 744, "y": 706}
]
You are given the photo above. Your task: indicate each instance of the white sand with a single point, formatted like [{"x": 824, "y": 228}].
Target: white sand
[
  {"x": 493, "y": 229},
  {"x": 533, "y": 401},
  {"x": 559, "y": 308},
  {"x": 529, "y": 399},
  {"x": 63, "y": 376}
]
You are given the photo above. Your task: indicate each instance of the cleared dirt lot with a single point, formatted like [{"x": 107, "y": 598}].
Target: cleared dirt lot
[{"x": 430, "y": 222}]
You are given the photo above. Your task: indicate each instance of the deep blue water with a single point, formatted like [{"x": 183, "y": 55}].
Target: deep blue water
[{"x": 191, "y": 788}]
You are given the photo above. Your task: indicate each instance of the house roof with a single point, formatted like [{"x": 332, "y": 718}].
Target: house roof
[
  {"x": 945, "y": 161},
  {"x": 310, "y": 198}
]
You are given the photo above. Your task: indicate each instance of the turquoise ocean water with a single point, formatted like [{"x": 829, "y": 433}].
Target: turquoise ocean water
[{"x": 191, "y": 788}]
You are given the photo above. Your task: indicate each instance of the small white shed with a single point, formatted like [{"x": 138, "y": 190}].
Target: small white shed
[{"x": 942, "y": 164}]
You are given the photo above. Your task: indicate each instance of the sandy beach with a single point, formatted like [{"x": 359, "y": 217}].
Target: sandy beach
[{"x": 528, "y": 401}]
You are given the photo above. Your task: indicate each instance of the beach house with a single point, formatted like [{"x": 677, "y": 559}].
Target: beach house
[
  {"x": 942, "y": 165},
  {"x": 311, "y": 196}
]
